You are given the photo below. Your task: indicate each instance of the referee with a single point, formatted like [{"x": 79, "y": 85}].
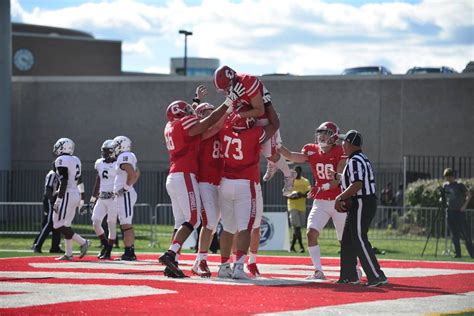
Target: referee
[
  {"x": 51, "y": 185},
  {"x": 359, "y": 200}
]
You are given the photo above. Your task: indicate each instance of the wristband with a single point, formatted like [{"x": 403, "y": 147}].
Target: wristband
[
  {"x": 93, "y": 199},
  {"x": 229, "y": 104},
  {"x": 126, "y": 187},
  {"x": 81, "y": 187},
  {"x": 195, "y": 99}
]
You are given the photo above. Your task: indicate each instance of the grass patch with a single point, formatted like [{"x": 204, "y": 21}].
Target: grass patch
[{"x": 19, "y": 246}]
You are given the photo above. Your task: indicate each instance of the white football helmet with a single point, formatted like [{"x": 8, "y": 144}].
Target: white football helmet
[
  {"x": 107, "y": 149},
  {"x": 122, "y": 144},
  {"x": 63, "y": 146}
]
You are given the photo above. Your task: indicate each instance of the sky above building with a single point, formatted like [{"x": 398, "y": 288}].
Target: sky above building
[{"x": 304, "y": 37}]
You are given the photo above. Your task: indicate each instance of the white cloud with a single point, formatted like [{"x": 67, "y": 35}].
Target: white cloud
[{"x": 300, "y": 37}]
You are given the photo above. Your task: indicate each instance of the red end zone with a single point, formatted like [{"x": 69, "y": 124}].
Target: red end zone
[{"x": 42, "y": 285}]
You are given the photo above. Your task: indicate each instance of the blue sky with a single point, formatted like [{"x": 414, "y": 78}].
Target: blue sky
[{"x": 302, "y": 37}]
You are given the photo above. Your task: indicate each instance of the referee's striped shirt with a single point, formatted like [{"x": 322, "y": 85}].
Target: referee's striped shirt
[
  {"x": 51, "y": 180},
  {"x": 359, "y": 168}
]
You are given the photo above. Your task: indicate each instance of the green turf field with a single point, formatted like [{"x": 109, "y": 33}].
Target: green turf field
[{"x": 14, "y": 246}]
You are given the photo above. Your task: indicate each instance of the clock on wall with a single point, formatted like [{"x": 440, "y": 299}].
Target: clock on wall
[{"x": 23, "y": 59}]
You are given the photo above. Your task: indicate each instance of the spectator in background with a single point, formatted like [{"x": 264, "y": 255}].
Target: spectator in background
[
  {"x": 386, "y": 197},
  {"x": 399, "y": 196},
  {"x": 297, "y": 207},
  {"x": 457, "y": 198}
]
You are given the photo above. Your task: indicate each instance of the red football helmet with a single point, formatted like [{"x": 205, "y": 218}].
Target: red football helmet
[
  {"x": 203, "y": 107},
  {"x": 178, "y": 109},
  {"x": 326, "y": 133},
  {"x": 242, "y": 124},
  {"x": 224, "y": 77}
]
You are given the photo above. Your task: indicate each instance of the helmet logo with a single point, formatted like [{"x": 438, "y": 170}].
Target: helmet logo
[{"x": 229, "y": 74}]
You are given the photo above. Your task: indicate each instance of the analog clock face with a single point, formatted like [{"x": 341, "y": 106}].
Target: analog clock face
[{"x": 23, "y": 59}]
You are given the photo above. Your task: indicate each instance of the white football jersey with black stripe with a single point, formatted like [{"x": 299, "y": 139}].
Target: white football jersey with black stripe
[
  {"x": 107, "y": 172},
  {"x": 121, "y": 176},
  {"x": 74, "y": 169}
]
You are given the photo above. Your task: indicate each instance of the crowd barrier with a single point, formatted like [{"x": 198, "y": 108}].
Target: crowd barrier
[{"x": 389, "y": 223}]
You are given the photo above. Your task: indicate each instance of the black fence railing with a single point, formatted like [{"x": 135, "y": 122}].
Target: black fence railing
[{"x": 27, "y": 185}]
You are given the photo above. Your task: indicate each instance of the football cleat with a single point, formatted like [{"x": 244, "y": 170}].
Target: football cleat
[
  {"x": 168, "y": 260},
  {"x": 201, "y": 269},
  {"x": 288, "y": 186},
  {"x": 253, "y": 269},
  {"x": 225, "y": 271},
  {"x": 317, "y": 275},
  {"x": 126, "y": 257},
  {"x": 377, "y": 282},
  {"x": 169, "y": 273},
  {"x": 101, "y": 253},
  {"x": 271, "y": 170},
  {"x": 348, "y": 281},
  {"x": 84, "y": 248},
  {"x": 238, "y": 272},
  {"x": 65, "y": 258}
]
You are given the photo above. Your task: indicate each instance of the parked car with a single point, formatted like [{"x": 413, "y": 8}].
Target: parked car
[
  {"x": 431, "y": 70},
  {"x": 469, "y": 67},
  {"x": 368, "y": 70}
]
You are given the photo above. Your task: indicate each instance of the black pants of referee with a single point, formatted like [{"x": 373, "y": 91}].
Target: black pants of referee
[
  {"x": 47, "y": 227},
  {"x": 355, "y": 243}
]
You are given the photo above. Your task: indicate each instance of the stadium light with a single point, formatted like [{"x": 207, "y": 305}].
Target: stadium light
[{"x": 186, "y": 34}]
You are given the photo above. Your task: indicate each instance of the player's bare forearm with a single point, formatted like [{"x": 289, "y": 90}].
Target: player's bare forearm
[
  {"x": 292, "y": 155},
  {"x": 273, "y": 116},
  {"x": 351, "y": 190},
  {"x": 207, "y": 122},
  {"x": 95, "y": 191},
  {"x": 214, "y": 129}
]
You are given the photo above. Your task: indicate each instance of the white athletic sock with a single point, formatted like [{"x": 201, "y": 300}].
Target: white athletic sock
[
  {"x": 68, "y": 243},
  {"x": 315, "y": 253},
  {"x": 252, "y": 258},
  {"x": 175, "y": 247},
  {"x": 77, "y": 238},
  {"x": 283, "y": 166},
  {"x": 204, "y": 256}
]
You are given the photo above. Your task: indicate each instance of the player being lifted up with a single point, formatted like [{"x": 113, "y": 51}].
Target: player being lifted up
[
  {"x": 261, "y": 108},
  {"x": 102, "y": 200},
  {"x": 127, "y": 174},
  {"x": 70, "y": 196},
  {"x": 323, "y": 155},
  {"x": 183, "y": 134}
]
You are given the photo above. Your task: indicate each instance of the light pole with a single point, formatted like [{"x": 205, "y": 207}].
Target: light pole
[{"x": 186, "y": 34}]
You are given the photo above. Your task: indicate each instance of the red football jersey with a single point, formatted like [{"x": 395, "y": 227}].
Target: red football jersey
[
  {"x": 241, "y": 153},
  {"x": 182, "y": 148},
  {"x": 253, "y": 86},
  {"x": 210, "y": 161},
  {"x": 320, "y": 163}
]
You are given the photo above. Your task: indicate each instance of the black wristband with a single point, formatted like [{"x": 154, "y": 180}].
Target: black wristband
[{"x": 195, "y": 99}]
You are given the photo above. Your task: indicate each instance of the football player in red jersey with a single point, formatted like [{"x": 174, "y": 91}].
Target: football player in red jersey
[
  {"x": 240, "y": 194},
  {"x": 183, "y": 134},
  {"x": 209, "y": 176},
  {"x": 259, "y": 98},
  {"x": 324, "y": 156}
]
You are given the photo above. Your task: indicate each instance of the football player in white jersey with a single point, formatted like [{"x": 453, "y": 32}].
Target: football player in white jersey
[
  {"x": 68, "y": 168},
  {"x": 127, "y": 174},
  {"x": 102, "y": 201}
]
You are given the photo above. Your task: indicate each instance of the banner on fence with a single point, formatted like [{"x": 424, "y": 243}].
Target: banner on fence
[{"x": 274, "y": 232}]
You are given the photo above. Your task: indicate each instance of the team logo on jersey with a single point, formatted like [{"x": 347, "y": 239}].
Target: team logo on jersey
[
  {"x": 266, "y": 231},
  {"x": 310, "y": 153}
]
